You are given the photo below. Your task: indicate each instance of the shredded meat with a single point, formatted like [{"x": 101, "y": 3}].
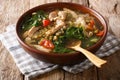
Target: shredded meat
[
  {"x": 80, "y": 20},
  {"x": 62, "y": 15},
  {"x": 53, "y": 15},
  {"x": 59, "y": 25},
  {"x": 71, "y": 12},
  {"x": 30, "y": 32},
  {"x": 59, "y": 18}
]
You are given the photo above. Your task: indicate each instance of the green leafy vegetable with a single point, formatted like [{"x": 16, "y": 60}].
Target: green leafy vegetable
[
  {"x": 34, "y": 20},
  {"x": 74, "y": 32},
  {"x": 60, "y": 45},
  {"x": 71, "y": 32},
  {"x": 62, "y": 50},
  {"x": 94, "y": 39},
  {"x": 36, "y": 23},
  {"x": 89, "y": 41}
]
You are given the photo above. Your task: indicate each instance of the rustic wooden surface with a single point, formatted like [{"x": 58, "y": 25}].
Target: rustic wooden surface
[{"x": 10, "y": 10}]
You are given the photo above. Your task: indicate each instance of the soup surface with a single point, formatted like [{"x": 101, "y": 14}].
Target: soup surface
[{"x": 51, "y": 31}]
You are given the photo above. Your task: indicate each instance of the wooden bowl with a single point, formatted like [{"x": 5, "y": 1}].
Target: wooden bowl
[{"x": 61, "y": 59}]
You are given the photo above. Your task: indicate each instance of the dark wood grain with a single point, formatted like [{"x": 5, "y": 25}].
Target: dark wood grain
[
  {"x": 111, "y": 71},
  {"x": 90, "y": 74},
  {"x": 57, "y": 74}
]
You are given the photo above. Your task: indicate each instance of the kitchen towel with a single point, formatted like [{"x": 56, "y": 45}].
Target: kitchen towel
[{"x": 32, "y": 67}]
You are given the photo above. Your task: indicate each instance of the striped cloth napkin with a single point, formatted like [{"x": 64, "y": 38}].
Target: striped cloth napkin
[{"x": 32, "y": 67}]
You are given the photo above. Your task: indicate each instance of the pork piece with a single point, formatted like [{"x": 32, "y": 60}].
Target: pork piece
[
  {"x": 28, "y": 40},
  {"x": 25, "y": 34},
  {"x": 53, "y": 15},
  {"x": 62, "y": 15},
  {"x": 30, "y": 32},
  {"x": 59, "y": 25},
  {"x": 74, "y": 15},
  {"x": 80, "y": 20},
  {"x": 42, "y": 48}
]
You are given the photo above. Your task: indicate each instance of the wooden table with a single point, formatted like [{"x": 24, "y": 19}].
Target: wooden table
[{"x": 10, "y": 11}]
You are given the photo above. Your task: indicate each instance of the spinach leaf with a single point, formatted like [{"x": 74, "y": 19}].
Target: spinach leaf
[
  {"x": 59, "y": 49},
  {"x": 74, "y": 32},
  {"x": 60, "y": 45},
  {"x": 89, "y": 41},
  {"x": 71, "y": 32},
  {"x": 36, "y": 23},
  {"x": 33, "y": 20}
]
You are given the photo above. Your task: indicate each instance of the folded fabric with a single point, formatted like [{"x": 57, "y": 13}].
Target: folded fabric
[{"x": 32, "y": 67}]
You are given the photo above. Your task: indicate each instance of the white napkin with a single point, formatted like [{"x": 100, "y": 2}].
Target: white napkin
[{"x": 32, "y": 67}]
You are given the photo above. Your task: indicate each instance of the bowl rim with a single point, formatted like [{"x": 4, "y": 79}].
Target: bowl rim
[{"x": 63, "y": 54}]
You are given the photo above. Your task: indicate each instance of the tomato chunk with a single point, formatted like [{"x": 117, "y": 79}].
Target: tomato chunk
[
  {"x": 46, "y": 22},
  {"x": 90, "y": 25},
  {"x": 100, "y": 33},
  {"x": 47, "y": 44}
]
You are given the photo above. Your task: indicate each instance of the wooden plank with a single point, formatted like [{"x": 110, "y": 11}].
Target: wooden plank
[
  {"x": 34, "y": 3},
  {"x": 82, "y": 2},
  {"x": 111, "y": 71},
  {"x": 3, "y": 16},
  {"x": 8, "y": 69},
  {"x": 89, "y": 74},
  {"x": 15, "y": 9},
  {"x": 64, "y": 0},
  {"x": 70, "y": 76},
  {"x": 10, "y": 10},
  {"x": 57, "y": 74}
]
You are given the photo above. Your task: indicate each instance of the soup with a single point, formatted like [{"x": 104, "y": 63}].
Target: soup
[{"x": 50, "y": 31}]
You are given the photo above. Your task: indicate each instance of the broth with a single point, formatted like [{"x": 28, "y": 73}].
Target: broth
[{"x": 49, "y": 31}]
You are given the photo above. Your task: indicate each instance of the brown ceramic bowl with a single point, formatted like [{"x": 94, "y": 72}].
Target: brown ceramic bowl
[{"x": 62, "y": 59}]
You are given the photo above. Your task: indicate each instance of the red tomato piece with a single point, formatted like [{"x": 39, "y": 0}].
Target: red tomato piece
[
  {"x": 47, "y": 44},
  {"x": 100, "y": 33},
  {"x": 90, "y": 25},
  {"x": 51, "y": 45},
  {"x": 46, "y": 22},
  {"x": 89, "y": 28},
  {"x": 42, "y": 42}
]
